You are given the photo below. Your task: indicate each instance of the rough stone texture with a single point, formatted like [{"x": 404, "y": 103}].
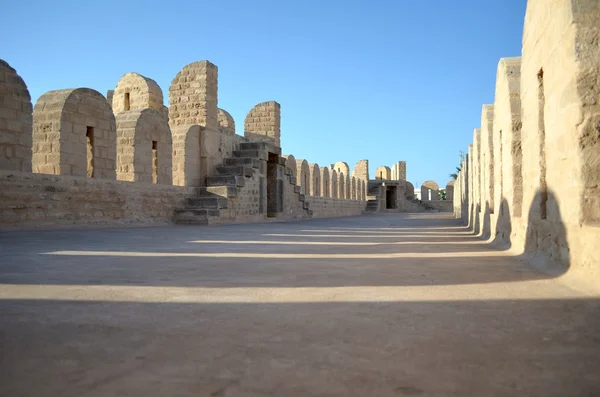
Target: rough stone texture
[
  {"x": 410, "y": 191},
  {"x": 193, "y": 96},
  {"x": 348, "y": 186},
  {"x": 399, "y": 171},
  {"x": 263, "y": 123},
  {"x": 290, "y": 163},
  {"x": 136, "y": 92},
  {"x": 429, "y": 191},
  {"x": 353, "y": 189},
  {"x": 383, "y": 173},
  {"x": 303, "y": 176},
  {"x": 186, "y": 155},
  {"x": 15, "y": 121},
  {"x": 61, "y": 121},
  {"x": 507, "y": 146},
  {"x": 325, "y": 183},
  {"x": 326, "y": 207},
  {"x": 333, "y": 179},
  {"x": 546, "y": 195},
  {"x": 109, "y": 97},
  {"x": 487, "y": 159},
  {"x": 315, "y": 179},
  {"x": 342, "y": 167},
  {"x": 341, "y": 182},
  {"x": 226, "y": 122},
  {"x": 37, "y": 200},
  {"x": 361, "y": 170},
  {"x": 450, "y": 190},
  {"x": 141, "y": 135}
]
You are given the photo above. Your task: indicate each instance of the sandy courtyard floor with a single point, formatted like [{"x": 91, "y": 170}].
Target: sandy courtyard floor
[{"x": 394, "y": 305}]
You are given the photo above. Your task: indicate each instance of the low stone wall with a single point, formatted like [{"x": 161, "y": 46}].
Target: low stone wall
[
  {"x": 29, "y": 200},
  {"x": 326, "y": 207},
  {"x": 441, "y": 205}
]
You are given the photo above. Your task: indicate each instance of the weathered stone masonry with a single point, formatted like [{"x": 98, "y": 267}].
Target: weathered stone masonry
[
  {"x": 134, "y": 149},
  {"x": 532, "y": 177}
]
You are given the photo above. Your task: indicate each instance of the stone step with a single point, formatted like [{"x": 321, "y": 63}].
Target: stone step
[
  {"x": 229, "y": 170},
  {"x": 206, "y": 202},
  {"x": 301, "y": 197},
  {"x": 230, "y": 180},
  {"x": 195, "y": 216},
  {"x": 297, "y": 189},
  {"x": 256, "y": 154},
  {"x": 305, "y": 205},
  {"x": 260, "y": 146},
  {"x": 248, "y": 161},
  {"x": 220, "y": 191}
]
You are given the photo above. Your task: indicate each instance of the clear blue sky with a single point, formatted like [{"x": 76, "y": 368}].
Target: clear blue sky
[{"x": 384, "y": 80}]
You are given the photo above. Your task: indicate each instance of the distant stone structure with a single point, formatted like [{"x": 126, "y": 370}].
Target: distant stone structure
[{"x": 399, "y": 171}]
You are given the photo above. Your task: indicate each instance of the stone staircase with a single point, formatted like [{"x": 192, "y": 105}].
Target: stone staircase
[
  {"x": 204, "y": 208},
  {"x": 373, "y": 203}
]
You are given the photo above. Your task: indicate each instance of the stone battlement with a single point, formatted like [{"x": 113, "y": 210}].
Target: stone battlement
[{"x": 132, "y": 139}]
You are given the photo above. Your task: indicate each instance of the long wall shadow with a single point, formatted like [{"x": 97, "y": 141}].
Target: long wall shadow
[
  {"x": 410, "y": 348},
  {"x": 462, "y": 259}
]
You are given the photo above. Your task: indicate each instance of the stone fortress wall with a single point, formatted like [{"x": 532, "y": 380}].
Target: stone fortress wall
[
  {"x": 77, "y": 158},
  {"x": 531, "y": 179},
  {"x": 390, "y": 191}
]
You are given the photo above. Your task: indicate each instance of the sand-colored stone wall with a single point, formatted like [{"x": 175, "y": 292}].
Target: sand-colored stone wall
[
  {"x": 303, "y": 176},
  {"x": 74, "y": 133},
  {"x": 32, "y": 200},
  {"x": 263, "y": 123},
  {"x": 333, "y": 184},
  {"x": 15, "y": 121},
  {"x": 226, "y": 122},
  {"x": 136, "y": 92},
  {"x": 193, "y": 96},
  {"x": 315, "y": 179},
  {"x": 326, "y": 207},
  {"x": 399, "y": 171},
  {"x": 77, "y": 138},
  {"x": 540, "y": 192},
  {"x": 383, "y": 173},
  {"x": 325, "y": 183},
  {"x": 144, "y": 147}
]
